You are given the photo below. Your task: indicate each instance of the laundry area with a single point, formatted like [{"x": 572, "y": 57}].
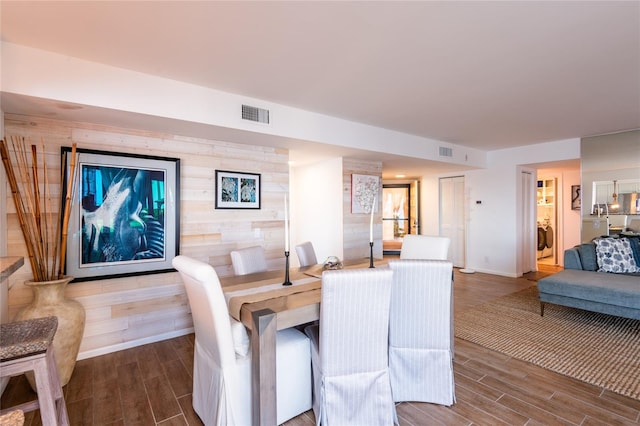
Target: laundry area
[{"x": 546, "y": 220}]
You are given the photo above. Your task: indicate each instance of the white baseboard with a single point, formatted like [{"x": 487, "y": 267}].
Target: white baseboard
[
  {"x": 133, "y": 343},
  {"x": 492, "y": 272}
]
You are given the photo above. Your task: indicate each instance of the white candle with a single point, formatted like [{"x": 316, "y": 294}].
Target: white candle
[
  {"x": 286, "y": 224},
  {"x": 373, "y": 204}
]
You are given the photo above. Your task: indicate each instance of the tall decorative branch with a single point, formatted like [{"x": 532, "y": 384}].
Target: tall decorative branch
[
  {"x": 34, "y": 210},
  {"x": 20, "y": 209},
  {"x": 67, "y": 209}
]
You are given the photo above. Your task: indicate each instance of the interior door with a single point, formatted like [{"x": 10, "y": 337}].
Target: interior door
[
  {"x": 528, "y": 222},
  {"x": 452, "y": 222}
]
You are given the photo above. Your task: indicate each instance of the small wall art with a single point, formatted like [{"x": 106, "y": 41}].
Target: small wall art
[
  {"x": 575, "y": 197},
  {"x": 364, "y": 188},
  {"x": 237, "y": 190}
]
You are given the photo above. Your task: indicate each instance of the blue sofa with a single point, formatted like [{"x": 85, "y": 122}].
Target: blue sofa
[{"x": 581, "y": 286}]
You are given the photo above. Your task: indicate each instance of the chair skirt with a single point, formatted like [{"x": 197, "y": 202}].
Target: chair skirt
[
  {"x": 424, "y": 375},
  {"x": 351, "y": 399},
  {"x": 220, "y": 399}
]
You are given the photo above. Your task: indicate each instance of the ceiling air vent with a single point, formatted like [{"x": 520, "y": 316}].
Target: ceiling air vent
[
  {"x": 446, "y": 152},
  {"x": 259, "y": 115}
]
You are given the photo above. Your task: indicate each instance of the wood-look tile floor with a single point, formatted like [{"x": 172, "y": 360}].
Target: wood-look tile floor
[{"x": 151, "y": 384}]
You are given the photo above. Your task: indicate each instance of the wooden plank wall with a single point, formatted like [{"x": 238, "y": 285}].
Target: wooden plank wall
[
  {"x": 130, "y": 311},
  {"x": 126, "y": 312},
  {"x": 356, "y": 226}
]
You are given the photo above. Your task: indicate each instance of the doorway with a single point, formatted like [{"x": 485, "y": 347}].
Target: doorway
[
  {"x": 547, "y": 220},
  {"x": 399, "y": 214}
]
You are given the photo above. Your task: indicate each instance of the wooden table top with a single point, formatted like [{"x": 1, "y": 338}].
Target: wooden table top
[{"x": 296, "y": 307}]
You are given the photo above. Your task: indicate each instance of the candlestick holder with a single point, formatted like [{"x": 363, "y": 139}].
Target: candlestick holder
[
  {"x": 286, "y": 269},
  {"x": 371, "y": 255}
]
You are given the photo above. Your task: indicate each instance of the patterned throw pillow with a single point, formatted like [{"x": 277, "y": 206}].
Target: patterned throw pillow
[{"x": 615, "y": 255}]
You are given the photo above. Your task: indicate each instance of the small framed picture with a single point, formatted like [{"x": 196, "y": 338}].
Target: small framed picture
[
  {"x": 575, "y": 197},
  {"x": 237, "y": 190},
  {"x": 364, "y": 189}
]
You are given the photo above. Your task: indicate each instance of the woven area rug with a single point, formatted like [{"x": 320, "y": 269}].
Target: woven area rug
[{"x": 595, "y": 348}]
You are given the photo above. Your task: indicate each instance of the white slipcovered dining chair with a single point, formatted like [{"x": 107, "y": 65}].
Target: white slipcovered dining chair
[
  {"x": 222, "y": 359},
  {"x": 248, "y": 260},
  {"x": 349, "y": 349},
  {"x": 306, "y": 254},
  {"x": 427, "y": 247},
  {"x": 420, "y": 331},
  {"x": 424, "y": 247}
]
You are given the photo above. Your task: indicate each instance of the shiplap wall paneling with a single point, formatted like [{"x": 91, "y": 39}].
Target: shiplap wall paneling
[
  {"x": 126, "y": 312},
  {"x": 356, "y": 226}
]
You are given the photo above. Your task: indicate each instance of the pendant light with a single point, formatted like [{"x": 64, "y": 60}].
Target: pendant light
[{"x": 614, "y": 196}]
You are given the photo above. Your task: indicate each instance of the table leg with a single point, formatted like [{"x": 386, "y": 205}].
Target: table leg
[{"x": 263, "y": 367}]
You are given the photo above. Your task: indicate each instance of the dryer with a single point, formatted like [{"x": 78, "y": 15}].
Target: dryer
[{"x": 545, "y": 239}]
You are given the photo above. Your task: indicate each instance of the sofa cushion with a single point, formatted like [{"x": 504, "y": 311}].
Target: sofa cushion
[
  {"x": 610, "y": 289},
  {"x": 572, "y": 258},
  {"x": 615, "y": 255},
  {"x": 588, "y": 257}
]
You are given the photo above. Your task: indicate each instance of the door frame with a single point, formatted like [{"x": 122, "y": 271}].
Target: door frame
[{"x": 409, "y": 218}]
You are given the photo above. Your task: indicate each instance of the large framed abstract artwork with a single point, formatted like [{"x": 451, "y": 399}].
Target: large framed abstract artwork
[
  {"x": 124, "y": 214},
  {"x": 237, "y": 190}
]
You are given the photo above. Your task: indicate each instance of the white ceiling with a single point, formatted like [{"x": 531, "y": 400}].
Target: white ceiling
[{"x": 489, "y": 75}]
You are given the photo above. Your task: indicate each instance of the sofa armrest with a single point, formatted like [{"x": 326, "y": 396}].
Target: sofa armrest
[{"x": 572, "y": 259}]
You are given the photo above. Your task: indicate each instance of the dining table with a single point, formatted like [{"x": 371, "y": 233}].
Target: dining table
[{"x": 264, "y": 306}]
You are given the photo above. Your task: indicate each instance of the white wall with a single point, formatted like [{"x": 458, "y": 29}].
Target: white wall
[
  {"x": 490, "y": 226},
  {"x": 316, "y": 199},
  {"x": 37, "y": 73},
  {"x": 493, "y": 227}
]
